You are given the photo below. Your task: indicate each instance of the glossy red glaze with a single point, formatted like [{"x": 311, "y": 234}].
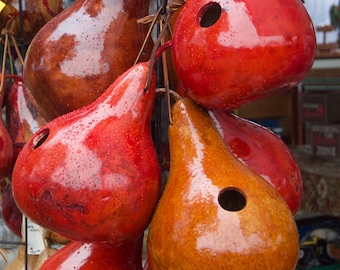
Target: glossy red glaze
[
  {"x": 89, "y": 256},
  {"x": 80, "y": 52},
  {"x": 10, "y": 212},
  {"x": 263, "y": 152},
  {"x": 228, "y": 53},
  {"x": 6, "y": 147},
  {"x": 23, "y": 117},
  {"x": 93, "y": 174},
  {"x": 6, "y": 151}
]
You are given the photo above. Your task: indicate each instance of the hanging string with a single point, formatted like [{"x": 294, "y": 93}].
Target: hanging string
[
  {"x": 153, "y": 19},
  {"x": 18, "y": 52},
  {"x": 171, "y": 8},
  {"x": 3, "y": 66},
  {"x": 166, "y": 76}
]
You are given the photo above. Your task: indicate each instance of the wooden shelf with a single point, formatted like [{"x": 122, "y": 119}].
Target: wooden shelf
[
  {"x": 334, "y": 53},
  {"x": 280, "y": 107}
]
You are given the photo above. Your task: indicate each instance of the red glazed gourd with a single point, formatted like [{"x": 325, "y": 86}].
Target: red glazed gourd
[
  {"x": 93, "y": 174},
  {"x": 10, "y": 212},
  {"x": 88, "y": 256},
  {"x": 228, "y": 53},
  {"x": 263, "y": 152},
  {"x": 23, "y": 117},
  {"x": 6, "y": 145}
]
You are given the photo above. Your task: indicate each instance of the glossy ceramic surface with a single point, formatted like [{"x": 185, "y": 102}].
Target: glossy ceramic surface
[
  {"x": 215, "y": 213},
  {"x": 264, "y": 152},
  {"x": 88, "y": 256},
  {"x": 10, "y": 212},
  {"x": 6, "y": 151},
  {"x": 227, "y": 53},
  {"x": 23, "y": 118},
  {"x": 79, "y": 53},
  {"x": 6, "y": 146},
  {"x": 93, "y": 174}
]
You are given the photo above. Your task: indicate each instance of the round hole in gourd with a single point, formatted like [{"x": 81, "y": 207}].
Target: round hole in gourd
[
  {"x": 232, "y": 199},
  {"x": 40, "y": 137},
  {"x": 209, "y": 14}
]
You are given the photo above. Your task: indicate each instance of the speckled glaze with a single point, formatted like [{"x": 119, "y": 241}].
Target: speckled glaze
[
  {"x": 80, "y": 52},
  {"x": 227, "y": 53},
  {"x": 89, "y": 256},
  {"x": 93, "y": 174},
  {"x": 264, "y": 152},
  {"x": 199, "y": 223}
]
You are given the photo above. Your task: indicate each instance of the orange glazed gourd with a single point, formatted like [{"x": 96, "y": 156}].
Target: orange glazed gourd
[{"x": 215, "y": 213}]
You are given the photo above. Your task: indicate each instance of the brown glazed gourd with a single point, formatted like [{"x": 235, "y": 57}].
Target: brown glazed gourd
[
  {"x": 80, "y": 52},
  {"x": 215, "y": 213},
  {"x": 35, "y": 13}
]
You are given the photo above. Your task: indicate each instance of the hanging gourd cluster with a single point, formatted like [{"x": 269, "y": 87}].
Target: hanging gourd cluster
[{"x": 91, "y": 173}]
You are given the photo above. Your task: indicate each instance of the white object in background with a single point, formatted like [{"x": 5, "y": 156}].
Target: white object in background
[
  {"x": 319, "y": 11},
  {"x": 35, "y": 240},
  {"x": 325, "y": 234},
  {"x": 10, "y": 251}
]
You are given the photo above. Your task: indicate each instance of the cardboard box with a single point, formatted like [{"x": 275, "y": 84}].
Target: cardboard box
[
  {"x": 325, "y": 140},
  {"x": 321, "y": 106}
]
